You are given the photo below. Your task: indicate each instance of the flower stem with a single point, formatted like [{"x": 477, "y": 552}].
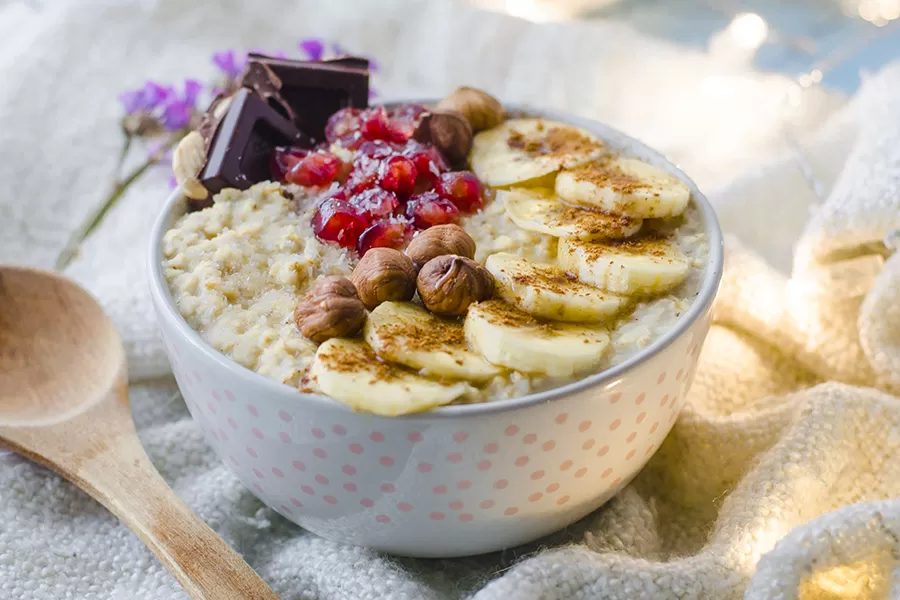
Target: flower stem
[{"x": 118, "y": 190}]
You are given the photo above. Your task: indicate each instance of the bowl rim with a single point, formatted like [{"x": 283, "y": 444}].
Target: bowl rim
[{"x": 166, "y": 309}]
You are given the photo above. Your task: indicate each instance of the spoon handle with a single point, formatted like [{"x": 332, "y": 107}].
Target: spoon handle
[{"x": 107, "y": 461}]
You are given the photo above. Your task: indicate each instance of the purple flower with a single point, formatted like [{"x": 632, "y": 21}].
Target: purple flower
[
  {"x": 230, "y": 63},
  {"x": 144, "y": 99},
  {"x": 179, "y": 108},
  {"x": 313, "y": 48}
]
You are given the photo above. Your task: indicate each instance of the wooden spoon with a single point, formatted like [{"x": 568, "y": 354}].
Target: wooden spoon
[{"x": 64, "y": 404}]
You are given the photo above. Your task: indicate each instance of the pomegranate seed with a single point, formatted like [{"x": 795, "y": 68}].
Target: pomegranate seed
[
  {"x": 462, "y": 188},
  {"x": 375, "y": 125},
  {"x": 364, "y": 175},
  {"x": 404, "y": 119},
  {"x": 337, "y": 221},
  {"x": 375, "y": 203},
  {"x": 428, "y": 209},
  {"x": 342, "y": 124},
  {"x": 283, "y": 160},
  {"x": 376, "y": 149},
  {"x": 394, "y": 233},
  {"x": 315, "y": 170},
  {"x": 428, "y": 160},
  {"x": 398, "y": 175}
]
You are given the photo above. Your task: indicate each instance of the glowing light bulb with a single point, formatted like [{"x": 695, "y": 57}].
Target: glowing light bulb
[{"x": 749, "y": 30}]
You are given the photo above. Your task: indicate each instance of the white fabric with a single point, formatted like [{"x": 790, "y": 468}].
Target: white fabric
[{"x": 776, "y": 481}]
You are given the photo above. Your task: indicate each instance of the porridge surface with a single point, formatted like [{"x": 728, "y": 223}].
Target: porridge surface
[{"x": 237, "y": 268}]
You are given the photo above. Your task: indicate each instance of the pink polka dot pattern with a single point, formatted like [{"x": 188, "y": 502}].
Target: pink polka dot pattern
[{"x": 530, "y": 462}]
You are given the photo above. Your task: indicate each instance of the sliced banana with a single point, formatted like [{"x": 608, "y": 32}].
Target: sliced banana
[
  {"x": 537, "y": 209},
  {"x": 624, "y": 186},
  {"x": 508, "y": 337},
  {"x": 644, "y": 265},
  {"x": 521, "y": 150},
  {"x": 350, "y": 372},
  {"x": 408, "y": 334},
  {"x": 548, "y": 292}
]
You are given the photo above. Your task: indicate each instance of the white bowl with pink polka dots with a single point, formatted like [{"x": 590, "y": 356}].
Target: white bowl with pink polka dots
[{"x": 458, "y": 480}]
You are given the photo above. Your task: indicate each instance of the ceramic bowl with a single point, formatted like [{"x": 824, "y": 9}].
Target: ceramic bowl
[{"x": 458, "y": 480}]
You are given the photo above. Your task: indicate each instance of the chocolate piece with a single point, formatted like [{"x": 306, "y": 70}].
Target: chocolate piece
[
  {"x": 213, "y": 116},
  {"x": 260, "y": 78},
  {"x": 315, "y": 90},
  {"x": 242, "y": 147}
]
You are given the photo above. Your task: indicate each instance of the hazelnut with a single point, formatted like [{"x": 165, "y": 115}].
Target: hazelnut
[
  {"x": 449, "y": 284},
  {"x": 482, "y": 110},
  {"x": 439, "y": 240},
  {"x": 331, "y": 309},
  {"x": 382, "y": 275},
  {"x": 449, "y": 131}
]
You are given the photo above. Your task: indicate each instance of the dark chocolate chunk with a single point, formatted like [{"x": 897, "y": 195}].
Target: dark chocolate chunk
[
  {"x": 260, "y": 78},
  {"x": 315, "y": 90},
  {"x": 211, "y": 120},
  {"x": 242, "y": 148}
]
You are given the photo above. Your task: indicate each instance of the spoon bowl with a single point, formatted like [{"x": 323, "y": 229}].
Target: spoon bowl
[
  {"x": 64, "y": 404},
  {"x": 49, "y": 371}
]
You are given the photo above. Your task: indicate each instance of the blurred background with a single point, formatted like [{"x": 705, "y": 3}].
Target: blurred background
[{"x": 827, "y": 42}]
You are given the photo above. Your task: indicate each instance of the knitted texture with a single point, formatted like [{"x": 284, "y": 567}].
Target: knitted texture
[{"x": 777, "y": 480}]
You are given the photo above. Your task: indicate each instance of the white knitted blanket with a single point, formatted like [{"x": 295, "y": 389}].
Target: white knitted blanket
[{"x": 778, "y": 479}]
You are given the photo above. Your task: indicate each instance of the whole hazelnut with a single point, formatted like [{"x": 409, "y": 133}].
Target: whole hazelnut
[
  {"x": 482, "y": 110},
  {"x": 449, "y": 284},
  {"x": 382, "y": 275},
  {"x": 331, "y": 309},
  {"x": 449, "y": 131},
  {"x": 439, "y": 240}
]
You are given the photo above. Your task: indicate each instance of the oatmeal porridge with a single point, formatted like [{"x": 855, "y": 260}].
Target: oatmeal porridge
[{"x": 369, "y": 269}]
